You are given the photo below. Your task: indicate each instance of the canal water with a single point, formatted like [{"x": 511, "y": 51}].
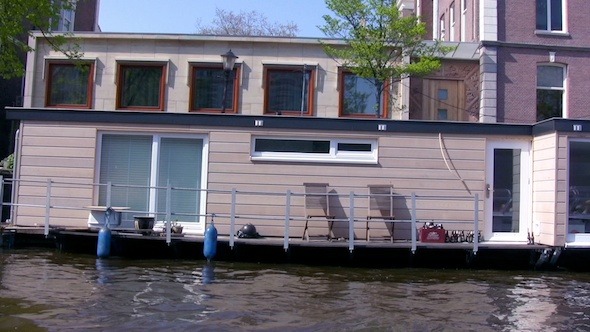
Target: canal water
[{"x": 48, "y": 290}]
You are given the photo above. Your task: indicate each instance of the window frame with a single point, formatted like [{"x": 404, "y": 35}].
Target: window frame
[
  {"x": 233, "y": 108},
  {"x": 442, "y": 31},
  {"x": 463, "y": 20},
  {"x": 563, "y": 88},
  {"x": 548, "y": 29},
  {"x": 384, "y": 112},
  {"x": 50, "y": 64},
  {"x": 290, "y": 68},
  {"x": 452, "y": 22},
  {"x": 152, "y": 203},
  {"x": 122, "y": 65},
  {"x": 334, "y": 155}
]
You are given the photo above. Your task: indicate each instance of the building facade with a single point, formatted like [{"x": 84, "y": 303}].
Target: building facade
[
  {"x": 83, "y": 18},
  {"x": 148, "y": 112}
]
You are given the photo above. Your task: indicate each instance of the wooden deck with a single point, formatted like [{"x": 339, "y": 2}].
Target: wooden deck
[{"x": 376, "y": 253}]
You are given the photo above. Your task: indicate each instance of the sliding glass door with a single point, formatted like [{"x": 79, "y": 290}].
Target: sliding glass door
[{"x": 140, "y": 167}]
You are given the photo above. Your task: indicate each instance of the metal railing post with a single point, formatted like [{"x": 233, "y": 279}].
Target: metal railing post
[
  {"x": 413, "y": 228},
  {"x": 287, "y": 219},
  {"x": 168, "y": 212},
  {"x": 476, "y": 224},
  {"x": 109, "y": 192},
  {"x": 232, "y": 218},
  {"x": 351, "y": 222},
  {"x": 47, "y": 207}
]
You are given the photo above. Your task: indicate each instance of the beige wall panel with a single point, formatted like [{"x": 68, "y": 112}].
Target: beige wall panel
[
  {"x": 57, "y": 152},
  {"x": 55, "y": 191},
  {"x": 56, "y": 172},
  {"x": 58, "y": 130},
  {"x": 72, "y": 142},
  {"x": 30, "y": 160}
]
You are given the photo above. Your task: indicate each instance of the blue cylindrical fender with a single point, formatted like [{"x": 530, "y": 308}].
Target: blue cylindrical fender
[
  {"x": 210, "y": 245},
  {"x": 103, "y": 247}
]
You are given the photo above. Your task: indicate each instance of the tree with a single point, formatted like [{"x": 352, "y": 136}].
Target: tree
[
  {"x": 381, "y": 45},
  {"x": 17, "y": 18},
  {"x": 246, "y": 24}
]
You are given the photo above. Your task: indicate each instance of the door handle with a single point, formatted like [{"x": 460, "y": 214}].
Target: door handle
[{"x": 487, "y": 190}]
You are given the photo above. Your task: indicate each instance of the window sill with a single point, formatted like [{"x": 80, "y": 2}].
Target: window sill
[{"x": 552, "y": 33}]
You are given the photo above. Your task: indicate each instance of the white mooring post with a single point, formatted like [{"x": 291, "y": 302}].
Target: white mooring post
[
  {"x": 168, "y": 213},
  {"x": 287, "y": 218},
  {"x": 232, "y": 217},
  {"x": 476, "y": 224},
  {"x": 109, "y": 192},
  {"x": 351, "y": 222},
  {"x": 413, "y": 228},
  {"x": 47, "y": 207}
]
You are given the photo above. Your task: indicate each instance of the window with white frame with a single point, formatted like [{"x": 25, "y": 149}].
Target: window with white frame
[
  {"x": 463, "y": 20},
  {"x": 140, "y": 167},
  {"x": 551, "y": 15},
  {"x": 442, "y": 28},
  {"x": 550, "y": 91},
  {"x": 452, "y": 21},
  {"x": 362, "y": 151}
]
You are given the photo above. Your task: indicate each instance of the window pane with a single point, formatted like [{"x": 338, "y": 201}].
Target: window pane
[
  {"x": 550, "y": 76},
  {"x": 549, "y": 104},
  {"x": 141, "y": 86},
  {"x": 542, "y": 15},
  {"x": 443, "y": 94},
  {"x": 355, "y": 147},
  {"x": 287, "y": 145},
  {"x": 208, "y": 88},
  {"x": 286, "y": 91},
  {"x": 180, "y": 165},
  {"x": 69, "y": 84},
  {"x": 506, "y": 190},
  {"x": 556, "y": 15},
  {"x": 126, "y": 162},
  {"x": 442, "y": 114},
  {"x": 579, "y": 191},
  {"x": 359, "y": 95}
]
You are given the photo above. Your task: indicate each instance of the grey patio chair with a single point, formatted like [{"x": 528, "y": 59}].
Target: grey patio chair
[
  {"x": 317, "y": 205},
  {"x": 380, "y": 207}
]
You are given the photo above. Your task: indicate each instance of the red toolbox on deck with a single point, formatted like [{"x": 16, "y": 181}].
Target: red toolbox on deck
[{"x": 432, "y": 235}]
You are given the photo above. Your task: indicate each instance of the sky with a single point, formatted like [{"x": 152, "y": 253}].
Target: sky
[{"x": 183, "y": 16}]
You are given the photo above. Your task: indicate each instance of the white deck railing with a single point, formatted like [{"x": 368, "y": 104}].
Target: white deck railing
[{"x": 354, "y": 202}]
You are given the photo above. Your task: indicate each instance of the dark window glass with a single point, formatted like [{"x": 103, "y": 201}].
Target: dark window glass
[
  {"x": 359, "y": 96},
  {"x": 549, "y": 104},
  {"x": 140, "y": 86},
  {"x": 359, "y": 147},
  {"x": 556, "y": 15},
  {"x": 288, "y": 90},
  {"x": 289, "y": 145},
  {"x": 542, "y": 15},
  {"x": 208, "y": 85},
  {"x": 69, "y": 84}
]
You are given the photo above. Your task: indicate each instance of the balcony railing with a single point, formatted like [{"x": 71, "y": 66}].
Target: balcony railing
[{"x": 284, "y": 209}]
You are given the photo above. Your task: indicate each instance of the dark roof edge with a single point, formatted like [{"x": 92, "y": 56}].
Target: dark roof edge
[
  {"x": 561, "y": 125},
  {"x": 297, "y": 123}
]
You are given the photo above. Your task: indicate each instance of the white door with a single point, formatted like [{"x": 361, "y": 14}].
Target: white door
[{"x": 508, "y": 191}]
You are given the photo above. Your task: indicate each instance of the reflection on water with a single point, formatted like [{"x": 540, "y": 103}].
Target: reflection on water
[{"x": 59, "y": 291}]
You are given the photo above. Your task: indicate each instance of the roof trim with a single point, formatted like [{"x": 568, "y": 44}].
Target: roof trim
[{"x": 278, "y": 122}]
